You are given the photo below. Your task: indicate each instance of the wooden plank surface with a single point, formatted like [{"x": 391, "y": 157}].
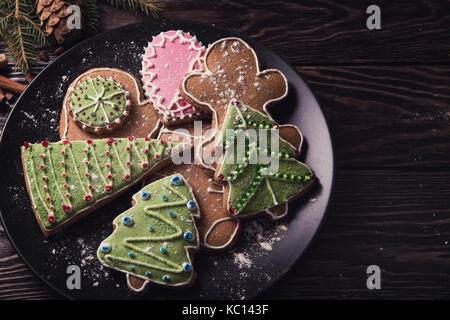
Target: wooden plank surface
[{"x": 386, "y": 96}]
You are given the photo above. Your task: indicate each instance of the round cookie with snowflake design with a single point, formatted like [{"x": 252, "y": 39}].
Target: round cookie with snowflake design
[
  {"x": 98, "y": 104},
  {"x": 106, "y": 102}
]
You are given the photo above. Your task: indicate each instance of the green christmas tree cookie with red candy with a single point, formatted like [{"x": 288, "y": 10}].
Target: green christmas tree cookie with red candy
[
  {"x": 67, "y": 180},
  {"x": 261, "y": 172},
  {"x": 153, "y": 240}
]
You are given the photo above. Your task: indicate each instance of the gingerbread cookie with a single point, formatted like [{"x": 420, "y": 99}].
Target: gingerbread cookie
[
  {"x": 154, "y": 240},
  {"x": 232, "y": 72},
  {"x": 261, "y": 171},
  {"x": 106, "y": 102},
  {"x": 68, "y": 180},
  {"x": 166, "y": 60},
  {"x": 217, "y": 230}
]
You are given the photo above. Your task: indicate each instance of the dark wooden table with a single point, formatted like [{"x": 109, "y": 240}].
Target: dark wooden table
[{"x": 386, "y": 94}]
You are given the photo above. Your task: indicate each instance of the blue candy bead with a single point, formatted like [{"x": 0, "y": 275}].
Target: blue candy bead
[
  {"x": 189, "y": 236},
  {"x": 191, "y": 205},
  {"x": 145, "y": 195},
  {"x": 176, "y": 180}
]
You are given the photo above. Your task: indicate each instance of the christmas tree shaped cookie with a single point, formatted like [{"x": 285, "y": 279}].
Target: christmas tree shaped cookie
[
  {"x": 258, "y": 165},
  {"x": 153, "y": 241},
  {"x": 67, "y": 180}
]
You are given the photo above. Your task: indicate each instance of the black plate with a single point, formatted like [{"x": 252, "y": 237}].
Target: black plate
[{"x": 265, "y": 250}]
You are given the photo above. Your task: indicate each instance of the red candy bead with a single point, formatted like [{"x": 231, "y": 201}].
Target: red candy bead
[
  {"x": 220, "y": 177},
  {"x": 128, "y": 163},
  {"x": 109, "y": 188},
  {"x": 66, "y": 208},
  {"x": 107, "y": 153},
  {"x": 45, "y": 143},
  {"x": 66, "y": 142},
  {"x": 26, "y": 144},
  {"x": 42, "y": 156},
  {"x": 147, "y": 139},
  {"x": 157, "y": 156},
  {"x": 65, "y": 186},
  {"x": 127, "y": 149},
  {"x": 48, "y": 199},
  {"x": 44, "y": 178},
  {"x": 89, "y": 141},
  {"x": 67, "y": 195},
  {"x": 110, "y": 141},
  {"x": 145, "y": 165},
  {"x": 42, "y": 167},
  {"x": 51, "y": 219},
  {"x": 131, "y": 138},
  {"x": 109, "y": 176},
  {"x": 126, "y": 177},
  {"x": 88, "y": 198},
  {"x": 145, "y": 151}
]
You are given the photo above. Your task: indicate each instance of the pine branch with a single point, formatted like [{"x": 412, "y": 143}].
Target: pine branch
[
  {"x": 21, "y": 32},
  {"x": 152, "y": 7},
  {"x": 93, "y": 16}
]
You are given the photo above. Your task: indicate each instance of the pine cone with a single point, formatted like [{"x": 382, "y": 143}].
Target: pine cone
[{"x": 53, "y": 15}]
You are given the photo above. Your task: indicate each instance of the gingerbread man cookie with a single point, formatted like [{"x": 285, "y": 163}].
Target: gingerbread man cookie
[{"x": 231, "y": 73}]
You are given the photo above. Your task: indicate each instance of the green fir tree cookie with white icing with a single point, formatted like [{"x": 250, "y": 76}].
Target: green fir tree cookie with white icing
[
  {"x": 67, "y": 180},
  {"x": 258, "y": 165},
  {"x": 153, "y": 240}
]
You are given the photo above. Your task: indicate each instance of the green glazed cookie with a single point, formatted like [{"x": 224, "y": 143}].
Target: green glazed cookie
[
  {"x": 67, "y": 180},
  {"x": 154, "y": 239},
  {"x": 258, "y": 165},
  {"x": 99, "y": 104}
]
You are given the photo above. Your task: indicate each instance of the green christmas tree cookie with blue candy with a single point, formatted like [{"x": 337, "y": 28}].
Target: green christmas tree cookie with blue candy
[{"x": 153, "y": 241}]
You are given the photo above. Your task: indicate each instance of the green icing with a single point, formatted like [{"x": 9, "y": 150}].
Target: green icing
[
  {"x": 253, "y": 188},
  {"x": 80, "y": 173},
  {"x": 135, "y": 249},
  {"x": 98, "y": 102}
]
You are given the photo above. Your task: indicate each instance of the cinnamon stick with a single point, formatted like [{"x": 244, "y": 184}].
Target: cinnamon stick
[
  {"x": 2, "y": 96},
  {"x": 11, "y": 85}
]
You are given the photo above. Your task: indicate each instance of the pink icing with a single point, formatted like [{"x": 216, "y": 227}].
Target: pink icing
[{"x": 167, "y": 59}]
